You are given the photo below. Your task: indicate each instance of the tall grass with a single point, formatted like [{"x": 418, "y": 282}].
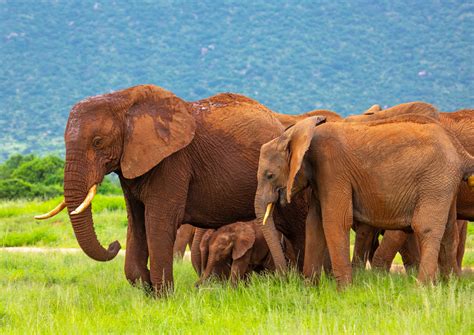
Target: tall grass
[{"x": 72, "y": 294}]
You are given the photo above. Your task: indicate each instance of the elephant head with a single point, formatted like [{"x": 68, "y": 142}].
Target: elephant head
[
  {"x": 280, "y": 176},
  {"x": 128, "y": 131}
]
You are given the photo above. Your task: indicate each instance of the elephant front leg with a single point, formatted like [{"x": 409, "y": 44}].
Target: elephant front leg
[
  {"x": 337, "y": 222},
  {"x": 160, "y": 235},
  {"x": 315, "y": 244},
  {"x": 239, "y": 268},
  {"x": 364, "y": 241},
  {"x": 136, "y": 255}
]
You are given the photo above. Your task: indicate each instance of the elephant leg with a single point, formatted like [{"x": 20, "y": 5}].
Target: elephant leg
[
  {"x": 136, "y": 255},
  {"x": 462, "y": 229},
  {"x": 196, "y": 251},
  {"x": 184, "y": 237},
  {"x": 315, "y": 243},
  {"x": 337, "y": 223},
  {"x": 239, "y": 268},
  {"x": 392, "y": 242},
  {"x": 160, "y": 237},
  {"x": 365, "y": 236},
  {"x": 429, "y": 224},
  {"x": 448, "y": 248},
  {"x": 410, "y": 252}
]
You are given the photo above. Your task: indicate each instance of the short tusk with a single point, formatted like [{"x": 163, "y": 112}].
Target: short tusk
[
  {"x": 268, "y": 212},
  {"x": 87, "y": 201},
  {"x": 52, "y": 213},
  {"x": 470, "y": 182}
]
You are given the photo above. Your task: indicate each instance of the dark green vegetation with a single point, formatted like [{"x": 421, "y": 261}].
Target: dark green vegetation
[
  {"x": 293, "y": 57},
  {"x": 30, "y": 176},
  {"x": 77, "y": 295}
]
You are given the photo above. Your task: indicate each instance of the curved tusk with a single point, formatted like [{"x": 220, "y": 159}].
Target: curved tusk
[
  {"x": 53, "y": 212},
  {"x": 268, "y": 212},
  {"x": 87, "y": 201}
]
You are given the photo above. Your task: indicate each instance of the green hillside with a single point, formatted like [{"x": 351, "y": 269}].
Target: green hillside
[{"x": 292, "y": 57}]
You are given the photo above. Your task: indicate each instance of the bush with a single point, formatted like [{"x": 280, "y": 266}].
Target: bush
[{"x": 31, "y": 176}]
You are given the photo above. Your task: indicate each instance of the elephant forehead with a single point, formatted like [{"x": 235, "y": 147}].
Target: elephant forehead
[{"x": 80, "y": 128}]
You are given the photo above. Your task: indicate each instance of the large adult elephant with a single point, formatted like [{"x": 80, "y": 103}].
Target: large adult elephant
[
  {"x": 177, "y": 161},
  {"x": 461, "y": 124},
  {"x": 289, "y": 220},
  {"x": 352, "y": 168}
]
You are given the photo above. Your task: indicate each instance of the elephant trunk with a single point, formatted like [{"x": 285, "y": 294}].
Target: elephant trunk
[
  {"x": 196, "y": 251},
  {"x": 75, "y": 190},
  {"x": 272, "y": 238}
]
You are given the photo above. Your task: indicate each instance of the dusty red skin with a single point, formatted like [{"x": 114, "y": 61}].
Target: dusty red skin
[
  {"x": 178, "y": 162},
  {"x": 184, "y": 238},
  {"x": 461, "y": 124},
  {"x": 351, "y": 169},
  {"x": 240, "y": 247}
]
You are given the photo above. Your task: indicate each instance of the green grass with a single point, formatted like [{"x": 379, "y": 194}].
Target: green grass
[
  {"x": 18, "y": 228},
  {"x": 69, "y": 293},
  {"x": 73, "y": 294}
]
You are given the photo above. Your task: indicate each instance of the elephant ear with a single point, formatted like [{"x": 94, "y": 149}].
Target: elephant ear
[
  {"x": 157, "y": 124},
  {"x": 298, "y": 141},
  {"x": 244, "y": 240}
]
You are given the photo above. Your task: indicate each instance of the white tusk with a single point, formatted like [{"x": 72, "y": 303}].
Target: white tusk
[
  {"x": 53, "y": 212},
  {"x": 268, "y": 212},
  {"x": 87, "y": 201}
]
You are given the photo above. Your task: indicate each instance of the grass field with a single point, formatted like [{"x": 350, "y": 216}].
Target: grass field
[{"x": 69, "y": 293}]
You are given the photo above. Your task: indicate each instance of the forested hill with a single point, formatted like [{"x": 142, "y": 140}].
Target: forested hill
[{"x": 292, "y": 57}]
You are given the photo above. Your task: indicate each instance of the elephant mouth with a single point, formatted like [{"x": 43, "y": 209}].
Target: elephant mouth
[{"x": 86, "y": 203}]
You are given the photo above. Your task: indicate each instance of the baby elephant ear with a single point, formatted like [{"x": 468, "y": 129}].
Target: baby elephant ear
[
  {"x": 157, "y": 124},
  {"x": 244, "y": 239}
]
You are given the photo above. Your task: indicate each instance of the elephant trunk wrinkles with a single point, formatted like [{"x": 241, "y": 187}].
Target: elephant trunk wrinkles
[
  {"x": 75, "y": 190},
  {"x": 196, "y": 251},
  {"x": 272, "y": 238}
]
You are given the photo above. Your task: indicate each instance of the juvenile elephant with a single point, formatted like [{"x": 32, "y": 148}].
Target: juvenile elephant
[
  {"x": 184, "y": 238},
  {"x": 239, "y": 247},
  {"x": 372, "y": 172},
  {"x": 461, "y": 125},
  {"x": 177, "y": 161}
]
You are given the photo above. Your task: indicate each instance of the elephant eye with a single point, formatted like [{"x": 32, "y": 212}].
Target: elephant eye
[
  {"x": 269, "y": 175},
  {"x": 97, "y": 142}
]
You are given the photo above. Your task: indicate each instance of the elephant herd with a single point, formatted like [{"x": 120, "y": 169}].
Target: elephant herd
[{"x": 264, "y": 189}]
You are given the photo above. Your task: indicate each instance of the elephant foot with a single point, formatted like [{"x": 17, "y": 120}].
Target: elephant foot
[{"x": 138, "y": 277}]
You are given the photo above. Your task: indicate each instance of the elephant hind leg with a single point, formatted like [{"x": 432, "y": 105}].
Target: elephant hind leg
[
  {"x": 429, "y": 224},
  {"x": 449, "y": 243}
]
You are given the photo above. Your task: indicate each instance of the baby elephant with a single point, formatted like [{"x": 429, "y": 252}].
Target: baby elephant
[{"x": 239, "y": 246}]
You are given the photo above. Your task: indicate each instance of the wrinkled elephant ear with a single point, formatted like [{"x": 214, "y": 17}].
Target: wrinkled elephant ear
[
  {"x": 157, "y": 124},
  {"x": 299, "y": 138},
  {"x": 244, "y": 240}
]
